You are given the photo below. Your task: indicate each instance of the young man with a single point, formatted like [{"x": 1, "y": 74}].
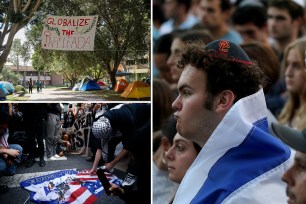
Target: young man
[
  {"x": 295, "y": 177},
  {"x": 214, "y": 16},
  {"x": 222, "y": 108}
]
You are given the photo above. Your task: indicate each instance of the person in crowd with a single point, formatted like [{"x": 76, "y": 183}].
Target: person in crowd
[
  {"x": 161, "y": 52},
  {"x": 35, "y": 115},
  {"x": 133, "y": 122},
  {"x": 178, "y": 43},
  {"x": 293, "y": 113},
  {"x": 285, "y": 20},
  {"x": 115, "y": 125},
  {"x": 9, "y": 153},
  {"x": 214, "y": 16},
  {"x": 295, "y": 176},
  {"x": 251, "y": 23},
  {"x": 268, "y": 62},
  {"x": 162, "y": 100},
  {"x": 163, "y": 188},
  {"x": 37, "y": 84},
  {"x": 179, "y": 18},
  {"x": 221, "y": 107},
  {"x": 53, "y": 127},
  {"x": 30, "y": 84},
  {"x": 180, "y": 157}
]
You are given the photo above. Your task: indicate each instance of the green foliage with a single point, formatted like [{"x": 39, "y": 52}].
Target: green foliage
[{"x": 8, "y": 75}]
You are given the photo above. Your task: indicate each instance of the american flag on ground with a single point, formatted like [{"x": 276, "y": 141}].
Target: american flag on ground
[{"x": 66, "y": 186}]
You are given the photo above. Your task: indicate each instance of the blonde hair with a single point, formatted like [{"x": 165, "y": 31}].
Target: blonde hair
[{"x": 296, "y": 104}]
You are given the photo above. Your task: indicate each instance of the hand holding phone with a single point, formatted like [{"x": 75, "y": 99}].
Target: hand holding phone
[{"x": 103, "y": 179}]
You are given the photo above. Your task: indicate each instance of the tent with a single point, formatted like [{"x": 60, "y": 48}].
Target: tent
[
  {"x": 121, "y": 85},
  {"x": 90, "y": 85},
  {"x": 20, "y": 88},
  {"x": 137, "y": 89},
  {"x": 3, "y": 93},
  {"x": 76, "y": 87},
  {"x": 8, "y": 86},
  {"x": 102, "y": 85}
]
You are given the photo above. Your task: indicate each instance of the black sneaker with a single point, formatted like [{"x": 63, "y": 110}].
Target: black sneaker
[
  {"x": 3, "y": 189},
  {"x": 129, "y": 180},
  {"x": 42, "y": 162}
]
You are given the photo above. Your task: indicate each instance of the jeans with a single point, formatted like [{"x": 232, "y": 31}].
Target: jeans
[{"x": 11, "y": 169}]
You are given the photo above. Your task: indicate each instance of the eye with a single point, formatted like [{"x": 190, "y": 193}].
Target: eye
[
  {"x": 302, "y": 166},
  {"x": 186, "y": 93},
  {"x": 179, "y": 148}
]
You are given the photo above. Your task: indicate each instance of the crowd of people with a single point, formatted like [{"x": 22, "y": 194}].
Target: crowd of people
[
  {"x": 234, "y": 72},
  {"x": 52, "y": 131}
]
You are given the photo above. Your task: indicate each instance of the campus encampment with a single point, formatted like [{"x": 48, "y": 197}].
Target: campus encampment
[{"x": 137, "y": 89}]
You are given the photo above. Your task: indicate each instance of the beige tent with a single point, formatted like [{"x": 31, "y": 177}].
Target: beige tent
[{"x": 137, "y": 89}]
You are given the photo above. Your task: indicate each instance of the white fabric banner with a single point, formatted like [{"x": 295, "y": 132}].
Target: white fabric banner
[{"x": 69, "y": 33}]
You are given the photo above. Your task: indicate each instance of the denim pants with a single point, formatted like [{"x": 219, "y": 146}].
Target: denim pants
[{"x": 11, "y": 169}]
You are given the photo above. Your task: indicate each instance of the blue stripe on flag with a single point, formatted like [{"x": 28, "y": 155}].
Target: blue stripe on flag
[{"x": 256, "y": 155}]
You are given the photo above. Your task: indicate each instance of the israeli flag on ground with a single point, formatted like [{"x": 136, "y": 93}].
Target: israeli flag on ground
[{"x": 241, "y": 162}]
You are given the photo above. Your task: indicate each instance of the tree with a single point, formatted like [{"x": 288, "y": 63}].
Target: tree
[
  {"x": 14, "y": 15},
  {"x": 8, "y": 75},
  {"x": 20, "y": 52}
]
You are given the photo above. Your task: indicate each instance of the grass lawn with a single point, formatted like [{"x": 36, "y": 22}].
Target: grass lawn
[{"x": 17, "y": 98}]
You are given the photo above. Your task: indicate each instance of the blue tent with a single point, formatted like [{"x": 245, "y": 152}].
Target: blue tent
[
  {"x": 90, "y": 85},
  {"x": 8, "y": 86},
  {"x": 3, "y": 93}
]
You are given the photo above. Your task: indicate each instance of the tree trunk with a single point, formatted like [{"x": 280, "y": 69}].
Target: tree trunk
[{"x": 112, "y": 75}]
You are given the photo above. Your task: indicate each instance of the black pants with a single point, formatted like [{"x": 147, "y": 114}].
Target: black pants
[{"x": 35, "y": 135}]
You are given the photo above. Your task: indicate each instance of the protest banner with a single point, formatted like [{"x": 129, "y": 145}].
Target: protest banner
[{"x": 75, "y": 33}]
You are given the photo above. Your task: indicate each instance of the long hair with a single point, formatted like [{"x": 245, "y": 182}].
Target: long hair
[{"x": 296, "y": 104}]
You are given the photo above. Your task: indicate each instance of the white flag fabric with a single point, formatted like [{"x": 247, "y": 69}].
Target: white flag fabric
[
  {"x": 241, "y": 162},
  {"x": 69, "y": 33}
]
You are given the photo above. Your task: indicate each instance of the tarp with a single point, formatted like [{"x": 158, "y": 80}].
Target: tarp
[
  {"x": 76, "y": 87},
  {"x": 121, "y": 85},
  {"x": 3, "y": 93},
  {"x": 20, "y": 88},
  {"x": 8, "y": 86},
  {"x": 137, "y": 89},
  {"x": 67, "y": 186},
  {"x": 90, "y": 85}
]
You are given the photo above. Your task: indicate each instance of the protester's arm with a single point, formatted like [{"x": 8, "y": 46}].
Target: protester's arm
[
  {"x": 96, "y": 162},
  {"x": 11, "y": 152},
  {"x": 120, "y": 156}
]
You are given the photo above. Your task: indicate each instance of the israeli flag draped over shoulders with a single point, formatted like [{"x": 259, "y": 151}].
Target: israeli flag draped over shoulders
[{"x": 241, "y": 162}]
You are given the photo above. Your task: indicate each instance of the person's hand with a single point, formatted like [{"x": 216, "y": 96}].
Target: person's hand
[
  {"x": 108, "y": 166},
  {"x": 12, "y": 152},
  {"x": 116, "y": 190},
  {"x": 93, "y": 171}
]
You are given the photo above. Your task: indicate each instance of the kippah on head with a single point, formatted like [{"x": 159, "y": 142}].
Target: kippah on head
[{"x": 227, "y": 50}]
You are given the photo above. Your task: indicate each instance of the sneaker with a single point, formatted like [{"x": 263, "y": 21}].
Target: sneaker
[
  {"x": 56, "y": 157},
  {"x": 129, "y": 180},
  {"x": 3, "y": 189}
]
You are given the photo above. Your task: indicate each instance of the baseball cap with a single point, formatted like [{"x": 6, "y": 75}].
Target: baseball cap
[
  {"x": 227, "y": 50},
  {"x": 294, "y": 138}
]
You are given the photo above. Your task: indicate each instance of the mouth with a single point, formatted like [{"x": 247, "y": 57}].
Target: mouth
[
  {"x": 176, "y": 117},
  {"x": 290, "y": 196}
]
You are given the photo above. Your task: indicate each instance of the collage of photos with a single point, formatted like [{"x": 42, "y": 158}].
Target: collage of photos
[{"x": 153, "y": 101}]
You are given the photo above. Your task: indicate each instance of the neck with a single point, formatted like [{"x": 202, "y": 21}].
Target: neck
[
  {"x": 219, "y": 31},
  {"x": 179, "y": 19}
]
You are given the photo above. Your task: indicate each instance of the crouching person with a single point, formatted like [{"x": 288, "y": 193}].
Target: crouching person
[{"x": 9, "y": 153}]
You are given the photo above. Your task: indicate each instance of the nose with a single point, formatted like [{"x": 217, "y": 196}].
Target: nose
[
  {"x": 170, "y": 60},
  {"x": 176, "y": 105},
  {"x": 287, "y": 177},
  {"x": 288, "y": 71},
  {"x": 169, "y": 154}
]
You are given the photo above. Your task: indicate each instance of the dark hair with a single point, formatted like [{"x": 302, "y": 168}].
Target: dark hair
[
  {"x": 242, "y": 79},
  {"x": 169, "y": 128},
  {"x": 162, "y": 101},
  {"x": 195, "y": 35},
  {"x": 163, "y": 44},
  {"x": 293, "y": 8},
  {"x": 266, "y": 60},
  {"x": 187, "y": 3},
  {"x": 250, "y": 14},
  {"x": 225, "y": 5},
  {"x": 197, "y": 147},
  {"x": 4, "y": 117}
]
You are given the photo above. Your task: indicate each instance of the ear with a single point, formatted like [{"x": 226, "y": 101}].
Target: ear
[
  {"x": 165, "y": 143},
  {"x": 224, "y": 101}
]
